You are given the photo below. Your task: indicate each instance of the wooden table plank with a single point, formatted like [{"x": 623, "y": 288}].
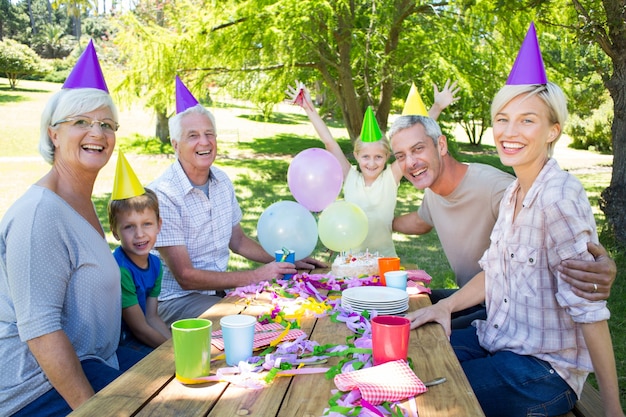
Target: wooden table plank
[
  {"x": 433, "y": 357},
  {"x": 308, "y": 394},
  {"x": 147, "y": 378},
  {"x": 149, "y": 388},
  {"x": 135, "y": 387},
  {"x": 266, "y": 402}
]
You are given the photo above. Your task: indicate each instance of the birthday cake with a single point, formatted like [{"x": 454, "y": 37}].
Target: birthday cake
[{"x": 355, "y": 265}]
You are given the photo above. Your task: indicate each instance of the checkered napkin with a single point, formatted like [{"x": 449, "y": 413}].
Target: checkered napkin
[
  {"x": 418, "y": 275},
  {"x": 415, "y": 287},
  {"x": 263, "y": 335},
  {"x": 391, "y": 381}
]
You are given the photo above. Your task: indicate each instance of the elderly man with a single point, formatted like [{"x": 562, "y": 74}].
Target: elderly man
[
  {"x": 201, "y": 224},
  {"x": 461, "y": 201}
]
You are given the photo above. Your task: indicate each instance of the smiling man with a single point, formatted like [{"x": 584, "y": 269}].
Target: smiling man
[
  {"x": 201, "y": 221},
  {"x": 461, "y": 202}
]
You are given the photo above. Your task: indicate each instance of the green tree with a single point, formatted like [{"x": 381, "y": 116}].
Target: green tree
[
  {"x": 75, "y": 9},
  {"x": 604, "y": 23},
  {"x": 351, "y": 45},
  {"x": 153, "y": 55},
  {"x": 17, "y": 60}
]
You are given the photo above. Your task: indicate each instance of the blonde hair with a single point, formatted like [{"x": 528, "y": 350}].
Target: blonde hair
[
  {"x": 551, "y": 94},
  {"x": 359, "y": 145}
]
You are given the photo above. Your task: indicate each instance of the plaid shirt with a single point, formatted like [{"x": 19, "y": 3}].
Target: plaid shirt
[
  {"x": 202, "y": 223},
  {"x": 531, "y": 311}
]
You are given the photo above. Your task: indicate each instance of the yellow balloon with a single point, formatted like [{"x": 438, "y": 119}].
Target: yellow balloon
[{"x": 342, "y": 226}]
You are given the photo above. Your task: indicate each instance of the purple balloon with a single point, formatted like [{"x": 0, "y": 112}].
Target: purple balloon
[{"x": 315, "y": 178}]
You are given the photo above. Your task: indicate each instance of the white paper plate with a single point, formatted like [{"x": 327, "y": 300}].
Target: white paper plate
[
  {"x": 366, "y": 304},
  {"x": 375, "y": 295},
  {"x": 379, "y": 309}
]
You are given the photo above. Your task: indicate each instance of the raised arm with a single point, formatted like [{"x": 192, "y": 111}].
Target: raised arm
[
  {"x": 299, "y": 96},
  {"x": 443, "y": 98}
]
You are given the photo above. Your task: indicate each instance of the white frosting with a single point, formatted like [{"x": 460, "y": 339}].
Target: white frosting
[{"x": 355, "y": 265}]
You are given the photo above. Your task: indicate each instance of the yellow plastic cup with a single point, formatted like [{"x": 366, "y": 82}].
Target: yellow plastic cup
[{"x": 192, "y": 349}]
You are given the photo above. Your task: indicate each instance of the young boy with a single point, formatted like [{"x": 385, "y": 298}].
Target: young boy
[{"x": 135, "y": 222}]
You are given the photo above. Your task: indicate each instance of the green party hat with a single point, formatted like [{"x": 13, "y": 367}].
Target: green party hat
[{"x": 370, "y": 132}]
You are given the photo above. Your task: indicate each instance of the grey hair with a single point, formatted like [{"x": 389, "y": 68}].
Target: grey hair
[
  {"x": 175, "y": 122},
  {"x": 431, "y": 127},
  {"x": 550, "y": 93},
  {"x": 67, "y": 103}
]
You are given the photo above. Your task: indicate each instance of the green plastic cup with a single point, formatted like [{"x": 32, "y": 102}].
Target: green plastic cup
[{"x": 192, "y": 349}]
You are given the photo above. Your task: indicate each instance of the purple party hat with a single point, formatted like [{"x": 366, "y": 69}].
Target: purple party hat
[
  {"x": 184, "y": 98},
  {"x": 528, "y": 67},
  {"x": 87, "y": 72}
]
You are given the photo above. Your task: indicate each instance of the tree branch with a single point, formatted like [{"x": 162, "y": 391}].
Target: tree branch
[
  {"x": 221, "y": 70},
  {"x": 596, "y": 30}
]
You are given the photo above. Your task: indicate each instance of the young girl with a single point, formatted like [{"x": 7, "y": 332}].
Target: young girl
[{"x": 373, "y": 186}]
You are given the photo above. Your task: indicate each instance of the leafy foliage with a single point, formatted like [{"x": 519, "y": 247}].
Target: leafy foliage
[{"x": 18, "y": 60}]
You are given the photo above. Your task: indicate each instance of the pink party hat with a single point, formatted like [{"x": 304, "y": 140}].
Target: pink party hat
[
  {"x": 184, "y": 98},
  {"x": 414, "y": 106},
  {"x": 126, "y": 184},
  {"x": 528, "y": 67},
  {"x": 370, "y": 132},
  {"x": 87, "y": 72}
]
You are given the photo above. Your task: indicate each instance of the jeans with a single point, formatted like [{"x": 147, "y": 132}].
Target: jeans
[
  {"x": 99, "y": 374},
  {"x": 464, "y": 318},
  {"x": 507, "y": 384}
]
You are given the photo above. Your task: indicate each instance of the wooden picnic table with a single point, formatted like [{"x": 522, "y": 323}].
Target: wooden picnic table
[{"x": 150, "y": 389}]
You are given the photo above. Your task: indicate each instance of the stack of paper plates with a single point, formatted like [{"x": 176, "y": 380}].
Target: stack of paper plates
[{"x": 385, "y": 300}]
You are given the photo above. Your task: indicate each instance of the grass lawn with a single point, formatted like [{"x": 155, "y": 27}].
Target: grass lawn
[{"x": 256, "y": 155}]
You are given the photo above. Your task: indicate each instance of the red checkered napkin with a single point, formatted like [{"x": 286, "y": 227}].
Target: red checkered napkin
[
  {"x": 418, "y": 275},
  {"x": 391, "y": 381},
  {"x": 416, "y": 287},
  {"x": 263, "y": 335}
]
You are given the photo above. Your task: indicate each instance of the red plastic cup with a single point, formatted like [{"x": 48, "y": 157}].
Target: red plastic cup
[
  {"x": 390, "y": 338},
  {"x": 385, "y": 265}
]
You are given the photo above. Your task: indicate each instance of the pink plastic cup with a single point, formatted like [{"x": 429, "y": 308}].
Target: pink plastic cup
[{"x": 390, "y": 338}]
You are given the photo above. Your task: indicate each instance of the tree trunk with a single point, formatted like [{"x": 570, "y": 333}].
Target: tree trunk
[
  {"x": 162, "y": 129},
  {"x": 49, "y": 10},
  {"x": 33, "y": 28},
  {"x": 613, "y": 201}
]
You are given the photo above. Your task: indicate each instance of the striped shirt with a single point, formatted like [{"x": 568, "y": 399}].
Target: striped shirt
[
  {"x": 530, "y": 310},
  {"x": 202, "y": 223}
]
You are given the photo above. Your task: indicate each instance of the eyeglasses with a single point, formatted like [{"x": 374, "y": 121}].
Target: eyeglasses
[{"x": 86, "y": 123}]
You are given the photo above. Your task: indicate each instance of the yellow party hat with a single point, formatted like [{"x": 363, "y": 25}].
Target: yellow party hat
[
  {"x": 414, "y": 105},
  {"x": 126, "y": 184}
]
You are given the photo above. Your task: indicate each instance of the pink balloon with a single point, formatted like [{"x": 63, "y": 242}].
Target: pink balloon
[{"x": 315, "y": 178}]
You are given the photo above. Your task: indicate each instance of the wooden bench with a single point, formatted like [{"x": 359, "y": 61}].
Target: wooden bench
[{"x": 589, "y": 405}]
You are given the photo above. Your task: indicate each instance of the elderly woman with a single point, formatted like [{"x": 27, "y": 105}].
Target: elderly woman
[
  {"x": 540, "y": 340},
  {"x": 59, "y": 283}
]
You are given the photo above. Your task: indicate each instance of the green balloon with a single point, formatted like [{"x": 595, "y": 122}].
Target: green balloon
[{"x": 342, "y": 226}]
